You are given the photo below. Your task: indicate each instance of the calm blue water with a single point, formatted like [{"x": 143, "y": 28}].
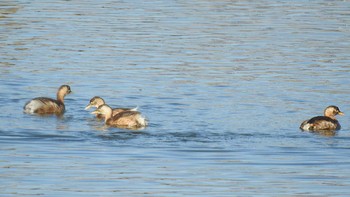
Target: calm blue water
[{"x": 224, "y": 84}]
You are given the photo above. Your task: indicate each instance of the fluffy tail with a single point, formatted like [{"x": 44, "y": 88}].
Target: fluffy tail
[
  {"x": 142, "y": 121},
  {"x": 135, "y": 109},
  {"x": 305, "y": 126}
]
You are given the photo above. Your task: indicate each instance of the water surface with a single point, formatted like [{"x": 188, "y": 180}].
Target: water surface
[{"x": 225, "y": 86}]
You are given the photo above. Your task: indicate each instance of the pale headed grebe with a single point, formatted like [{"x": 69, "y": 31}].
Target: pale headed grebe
[
  {"x": 323, "y": 123},
  {"x": 98, "y": 101},
  {"x": 43, "y": 105},
  {"x": 126, "y": 119}
]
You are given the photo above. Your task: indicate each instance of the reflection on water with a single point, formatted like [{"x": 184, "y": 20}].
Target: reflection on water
[
  {"x": 225, "y": 86},
  {"x": 326, "y": 133}
]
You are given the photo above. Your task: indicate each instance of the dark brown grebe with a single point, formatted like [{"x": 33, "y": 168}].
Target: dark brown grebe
[
  {"x": 43, "y": 105},
  {"x": 323, "y": 123}
]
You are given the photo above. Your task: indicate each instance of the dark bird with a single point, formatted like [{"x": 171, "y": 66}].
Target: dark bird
[
  {"x": 44, "y": 105},
  {"x": 328, "y": 122}
]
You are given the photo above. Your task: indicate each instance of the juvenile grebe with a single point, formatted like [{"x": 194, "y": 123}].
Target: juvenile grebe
[
  {"x": 323, "y": 123},
  {"x": 125, "y": 119},
  {"x": 98, "y": 101},
  {"x": 43, "y": 105}
]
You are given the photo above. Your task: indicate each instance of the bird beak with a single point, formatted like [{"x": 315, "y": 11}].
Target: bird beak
[
  {"x": 95, "y": 112},
  {"x": 88, "y": 107},
  {"x": 341, "y": 113}
]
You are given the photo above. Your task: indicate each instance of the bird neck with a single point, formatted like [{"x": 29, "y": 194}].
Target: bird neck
[
  {"x": 60, "y": 96},
  {"x": 108, "y": 115},
  {"x": 332, "y": 117},
  {"x": 329, "y": 115}
]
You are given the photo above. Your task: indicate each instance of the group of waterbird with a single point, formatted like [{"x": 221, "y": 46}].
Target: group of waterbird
[{"x": 131, "y": 118}]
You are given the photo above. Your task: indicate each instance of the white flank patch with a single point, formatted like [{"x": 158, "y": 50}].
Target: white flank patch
[
  {"x": 31, "y": 106},
  {"x": 306, "y": 127},
  {"x": 142, "y": 121}
]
